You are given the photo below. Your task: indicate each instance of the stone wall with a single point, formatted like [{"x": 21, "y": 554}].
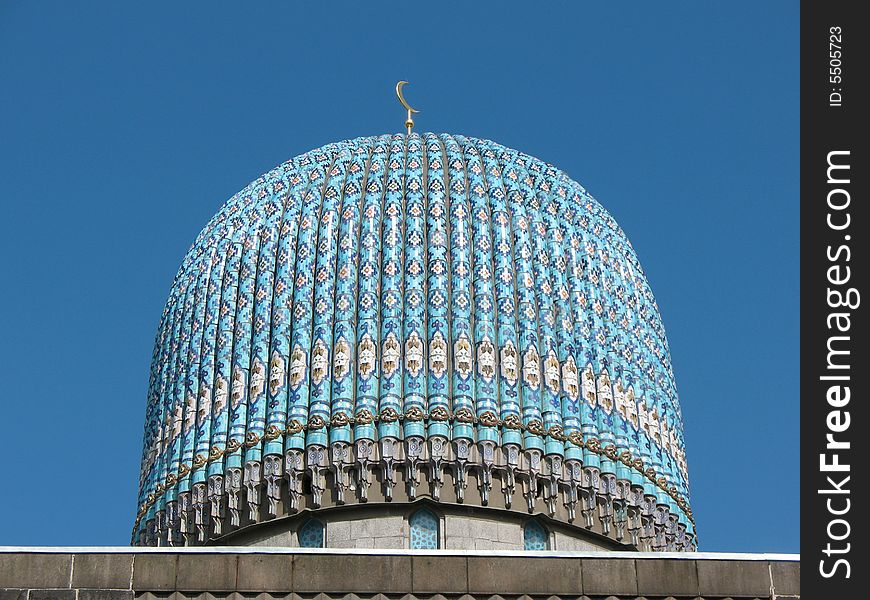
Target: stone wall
[
  {"x": 474, "y": 533},
  {"x": 386, "y": 526},
  {"x": 239, "y": 573},
  {"x": 388, "y": 531}
]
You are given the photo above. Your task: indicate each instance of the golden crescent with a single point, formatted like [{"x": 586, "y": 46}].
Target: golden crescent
[{"x": 402, "y": 98}]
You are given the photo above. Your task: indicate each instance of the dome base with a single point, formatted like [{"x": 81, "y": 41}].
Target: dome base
[
  {"x": 502, "y": 481},
  {"x": 389, "y": 526}
]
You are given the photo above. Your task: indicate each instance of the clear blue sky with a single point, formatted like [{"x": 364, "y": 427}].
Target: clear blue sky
[{"x": 123, "y": 128}]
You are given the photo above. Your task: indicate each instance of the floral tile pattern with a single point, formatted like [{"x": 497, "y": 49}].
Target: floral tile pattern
[{"x": 408, "y": 299}]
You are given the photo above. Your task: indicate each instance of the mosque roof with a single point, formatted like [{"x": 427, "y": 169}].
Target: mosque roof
[{"x": 404, "y": 300}]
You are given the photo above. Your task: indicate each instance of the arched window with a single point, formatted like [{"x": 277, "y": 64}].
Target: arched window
[
  {"x": 535, "y": 536},
  {"x": 424, "y": 530},
  {"x": 311, "y": 534}
]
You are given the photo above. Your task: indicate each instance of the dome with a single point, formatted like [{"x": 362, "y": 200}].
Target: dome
[{"x": 413, "y": 322}]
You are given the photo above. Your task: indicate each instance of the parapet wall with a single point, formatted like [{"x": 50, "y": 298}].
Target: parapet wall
[{"x": 298, "y": 574}]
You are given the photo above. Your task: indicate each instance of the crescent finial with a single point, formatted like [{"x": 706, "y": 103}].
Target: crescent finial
[{"x": 409, "y": 122}]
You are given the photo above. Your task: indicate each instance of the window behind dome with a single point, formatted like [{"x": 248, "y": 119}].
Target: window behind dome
[
  {"x": 535, "y": 536},
  {"x": 311, "y": 534},
  {"x": 424, "y": 530}
]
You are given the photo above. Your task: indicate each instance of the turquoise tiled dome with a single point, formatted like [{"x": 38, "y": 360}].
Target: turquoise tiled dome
[{"x": 390, "y": 309}]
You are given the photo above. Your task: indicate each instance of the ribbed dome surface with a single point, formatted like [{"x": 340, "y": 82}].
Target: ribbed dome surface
[{"x": 394, "y": 301}]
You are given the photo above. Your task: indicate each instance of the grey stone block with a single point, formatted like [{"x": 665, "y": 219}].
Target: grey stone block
[
  {"x": 513, "y": 575},
  {"x": 482, "y": 544},
  {"x": 212, "y": 572},
  {"x": 479, "y": 529},
  {"x": 441, "y": 574},
  {"x": 609, "y": 577},
  {"x": 31, "y": 570},
  {"x": 457, "y": 526},
  {"x": 105, "y": 594},
  {"x": 337, "y": 531},
  {"x": 154, "y": 572},
  {"x": 265, "y": 573},
  {"x": 510, "y": 533},
  {"x": 389, "y": 543},
  {"x": 458, "y": 543},
  {"x": 112, "y": 571},
  {"x": 52, "y": 595},
  {"x": 387, "y": 526},
  {"x": 566, "y": 542},
  {"x": 786, "y": 577},
  {"x": 283, "y": 539},
  {"x": 564, "y": 576},
  {"x": 352, "y": 573},
  {"x": 13, "y": 594},
  {"x": 733, "y": 578},
  {"x": 504, "y": 546},
  {"x": 667, "y": 577}
]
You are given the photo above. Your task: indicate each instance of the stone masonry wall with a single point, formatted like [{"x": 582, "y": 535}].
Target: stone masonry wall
[
  {"x": 236, "y": 574},
  {"x": 376, "y": 527}
]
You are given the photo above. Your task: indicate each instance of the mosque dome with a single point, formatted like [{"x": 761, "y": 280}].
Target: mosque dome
[{"x": 429, "y": 336}]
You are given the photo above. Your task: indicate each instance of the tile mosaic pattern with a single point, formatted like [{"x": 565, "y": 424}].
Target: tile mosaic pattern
[
  {"x": 403, "y": 298},
  {"x": 534, "y": 536},
  {"x": 424, "y": 530},
  {"x": 311, "y": 534}
]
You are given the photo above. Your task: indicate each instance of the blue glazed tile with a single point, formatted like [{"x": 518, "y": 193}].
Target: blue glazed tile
[{"x": 411, "y": 286}]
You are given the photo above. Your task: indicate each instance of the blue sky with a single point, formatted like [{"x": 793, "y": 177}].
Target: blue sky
[{"x": 124, "y": 127}]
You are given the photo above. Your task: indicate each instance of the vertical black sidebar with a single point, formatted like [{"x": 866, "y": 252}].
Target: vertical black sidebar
[{"x": 835, "y": 349}]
